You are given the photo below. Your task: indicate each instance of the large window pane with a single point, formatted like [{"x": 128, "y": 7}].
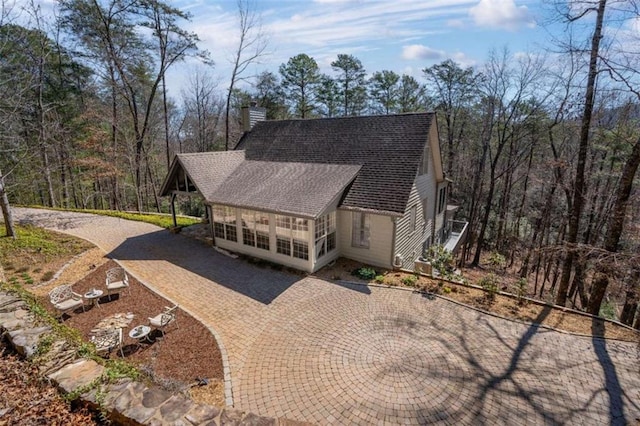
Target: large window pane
[
  {"x": 360, "y": 230},
  {"x": 224, "y": 222},
  {"x": 248, "y": 237},
  {"x": 283, "y": 246},
  {"x": 301, "y": 249},
  {"x": 331, "y": 241},
  {"x": 325, "y": 233},
  {"x": 262, "y": 240},
  {"x": 231, "y": 232}
]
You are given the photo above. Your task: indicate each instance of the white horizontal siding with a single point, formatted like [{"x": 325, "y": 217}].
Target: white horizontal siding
[
  {"x": 441, "y": 216},
  {"x": 409, "y": 241}
]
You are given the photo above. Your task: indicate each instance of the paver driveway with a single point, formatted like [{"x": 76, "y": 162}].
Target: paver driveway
[{"x": 311, "y": 350}]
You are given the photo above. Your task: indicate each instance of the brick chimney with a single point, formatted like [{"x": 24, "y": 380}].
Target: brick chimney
[{"x": 251, "y": 115}]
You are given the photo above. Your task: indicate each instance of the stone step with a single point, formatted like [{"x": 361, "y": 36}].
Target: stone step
[{"x": 25, "y": 340}]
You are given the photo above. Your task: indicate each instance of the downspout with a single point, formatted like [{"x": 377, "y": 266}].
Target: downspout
[
  {"x": 435, "y": 214},
  {"x": 393, "y": 242}
]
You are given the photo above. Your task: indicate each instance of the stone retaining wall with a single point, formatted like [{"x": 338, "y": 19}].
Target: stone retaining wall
[{"x": 126, "y": 402}]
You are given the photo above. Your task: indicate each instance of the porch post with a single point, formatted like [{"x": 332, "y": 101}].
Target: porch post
[{"x": 173, "y": 209}]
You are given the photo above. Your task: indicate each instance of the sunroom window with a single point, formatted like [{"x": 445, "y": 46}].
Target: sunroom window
[
  {"x": 325, "y": 234},
  {"x": 292, "y": 236},
  {"x": 224, "y": 223},
  {"x": 255, "y": 229}
]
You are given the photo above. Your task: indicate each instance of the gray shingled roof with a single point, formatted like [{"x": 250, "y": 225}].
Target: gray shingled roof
[
  {"x": 207, "y": 170},
  {"x": 389, "y": 148},
  {"x": 300, "y": 189}
]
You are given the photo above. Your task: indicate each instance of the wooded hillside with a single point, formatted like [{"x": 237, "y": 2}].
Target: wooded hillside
[{"x": 543, "y": 149}]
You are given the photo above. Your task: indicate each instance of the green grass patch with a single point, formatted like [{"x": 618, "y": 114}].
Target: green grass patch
[{"x": 34, "y": 244}]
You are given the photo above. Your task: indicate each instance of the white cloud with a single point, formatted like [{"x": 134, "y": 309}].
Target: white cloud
[
  {"x": 462, "y": 59},
  {"x": 419, "y": 51},
  {"x": 502, "y": 14},
  {"x": 455, "y": 23},
  {"x": 426, "y": 53}
]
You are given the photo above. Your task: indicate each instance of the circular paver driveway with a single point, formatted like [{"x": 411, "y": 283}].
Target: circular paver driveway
[
  {"x": 353, "y": 354},
  {"x": 312, "y": 350}
]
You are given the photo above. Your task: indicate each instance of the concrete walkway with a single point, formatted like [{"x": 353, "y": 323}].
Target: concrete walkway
[{"x": 307, "y": 349}]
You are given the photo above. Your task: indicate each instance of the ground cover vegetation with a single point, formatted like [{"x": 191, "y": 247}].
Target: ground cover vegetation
[{"x": 543, "y": 149}]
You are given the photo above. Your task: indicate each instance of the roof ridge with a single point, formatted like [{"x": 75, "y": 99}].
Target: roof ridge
[
  {"x": 349, "y": 117},
  {"x": 194, "y": 154}
]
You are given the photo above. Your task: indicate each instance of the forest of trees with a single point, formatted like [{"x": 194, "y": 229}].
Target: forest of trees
[{"x": 543, "y": 149}]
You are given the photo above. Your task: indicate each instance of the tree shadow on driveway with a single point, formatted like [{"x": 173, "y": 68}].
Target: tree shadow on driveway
[
  {"x": 538, "y": 376},
  {"x": 616, "y": 395},
  {"x": 258, "y": 283}
]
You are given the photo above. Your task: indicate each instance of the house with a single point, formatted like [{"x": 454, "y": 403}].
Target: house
[{"x": 304, "y": 192}]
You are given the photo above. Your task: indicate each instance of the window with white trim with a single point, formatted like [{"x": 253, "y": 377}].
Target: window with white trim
[
  {"x": 325, "y": 234},
  {"x": 442, "y": 201},
  {"x": 292, "y": 236},
  {"x": 224, "y": 223},
  {"x": 360, "y": 230},
  {"x": 255, "y": 229}
]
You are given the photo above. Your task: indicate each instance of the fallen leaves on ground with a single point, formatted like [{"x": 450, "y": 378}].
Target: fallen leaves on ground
[{"x": 26, "y": 399}]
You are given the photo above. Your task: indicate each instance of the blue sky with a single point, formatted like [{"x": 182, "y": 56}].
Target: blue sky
[{"x": 401, "y": 35}]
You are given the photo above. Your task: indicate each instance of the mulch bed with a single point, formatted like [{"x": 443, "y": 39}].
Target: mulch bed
[
  {"x": 508, "y": 307},
  {"x": 187, "y": 352}
]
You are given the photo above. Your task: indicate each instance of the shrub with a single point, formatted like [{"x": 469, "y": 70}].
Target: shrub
[
  {"x": 608, "y": 310},
  {"x": 379, "y": 279},
  {"x": 365, "y": 273},
  {"x": 409, "y": 280},
  {"x": 441, "y": 260},
  {"x": 490, "y": 284},
  {"x": 497, "y": 260},
  {"x": 521, "y": 290}
]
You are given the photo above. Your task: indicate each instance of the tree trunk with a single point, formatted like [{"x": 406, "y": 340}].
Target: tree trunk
[
  {"x": 6, "y": 210},
  {"x": 615, "y": 228},
  {"x": 579, "y": 186},
  {"x": 630, "y": 307},
  {"x": 632, "y": 296},
  {"x": 166, "y": 120},
  {"x": 485, "y": 219},
  {"x": 115, "y": 199}
]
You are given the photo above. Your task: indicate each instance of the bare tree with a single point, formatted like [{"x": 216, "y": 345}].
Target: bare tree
[
  {"x": 4, "y": 200},
  {"x": 251, "y": 46},
  {"x": 579, "y": 185},
  {"x": 510, "y": 104},
  {"x": 6, "y": 210},
  {"x": 202, "y": 109}
]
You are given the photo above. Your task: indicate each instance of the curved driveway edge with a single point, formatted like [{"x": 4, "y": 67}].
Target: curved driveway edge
[
  {"x": 307, "y": 349},
  {"x": 228, "y": 386}
]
